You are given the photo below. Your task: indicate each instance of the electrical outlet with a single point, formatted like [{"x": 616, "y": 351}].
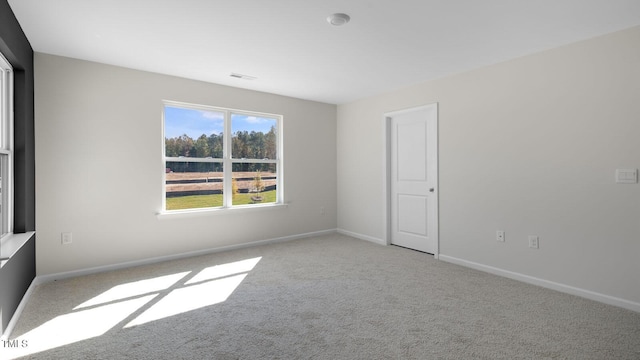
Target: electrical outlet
[
  {"x": 534, "y": 242},
  {"x": 67, "y": 238},
  {"x": 500, "y": 235}
]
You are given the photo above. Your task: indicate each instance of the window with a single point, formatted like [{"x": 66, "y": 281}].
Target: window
[
  {"x": 220, "y": 158},
  {"x": 6, "y": 147}
]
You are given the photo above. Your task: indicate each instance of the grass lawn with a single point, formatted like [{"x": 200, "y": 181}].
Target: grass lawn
[{"x": 206, "y": 201}]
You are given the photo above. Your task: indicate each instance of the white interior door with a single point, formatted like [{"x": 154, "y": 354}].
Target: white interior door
[{"x": 413, "y": 179}]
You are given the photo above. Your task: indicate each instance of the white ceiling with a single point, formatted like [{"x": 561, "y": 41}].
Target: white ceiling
[{"x": 292, "y": 50}]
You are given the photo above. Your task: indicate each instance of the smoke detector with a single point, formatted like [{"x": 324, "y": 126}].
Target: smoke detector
[{"x": 338, "y": 19}]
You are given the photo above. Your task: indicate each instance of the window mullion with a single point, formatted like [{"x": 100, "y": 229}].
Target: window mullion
[{"x": 227, "y": 164}]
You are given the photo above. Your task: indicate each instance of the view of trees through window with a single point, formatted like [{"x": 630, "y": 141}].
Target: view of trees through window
[{"x": 211, "y": 152}]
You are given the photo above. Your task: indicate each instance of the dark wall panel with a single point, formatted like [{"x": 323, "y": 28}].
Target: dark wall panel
[
  {"x": 18, "y": 273},
  {"x": 16, "y": 48},
  {"x": 16, "y": 277}
]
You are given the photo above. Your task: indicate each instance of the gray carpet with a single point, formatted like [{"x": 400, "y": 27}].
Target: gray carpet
[{"x": 329, "y": 297}]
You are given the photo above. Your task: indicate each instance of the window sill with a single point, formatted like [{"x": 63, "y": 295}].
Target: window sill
[
  {"x": 11, "y": 244},
  {"x": 182, "y": 214}
]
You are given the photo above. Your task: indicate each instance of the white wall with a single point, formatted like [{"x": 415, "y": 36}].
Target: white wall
[
  {"x": 99, "y": 167},
  {"x": 528, "y": 146}
]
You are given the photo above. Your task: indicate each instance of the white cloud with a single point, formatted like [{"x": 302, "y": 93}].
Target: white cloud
[
  {"x": 212, "y": 115},
  {"x": 256, "y": 120}
]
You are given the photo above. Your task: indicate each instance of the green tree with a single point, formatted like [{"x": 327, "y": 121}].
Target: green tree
[
  {"x": 234, "y": 188},
  {"x": 240, "y": 148},
  {"x": 215, "y": 145},
  {"x": 201, "y": 147},
  {"x": 255, "y": 145},
  {"x": 184, "y": 145},
  {"x": 258, "y": 186},
  {"x": 201, "y": 150},
  {"x": 270, "y": 144},
  {"x": 171, "y": 147}
]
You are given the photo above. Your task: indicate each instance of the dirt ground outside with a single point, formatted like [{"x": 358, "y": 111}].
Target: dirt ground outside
[{"x": 213, "y": 180}]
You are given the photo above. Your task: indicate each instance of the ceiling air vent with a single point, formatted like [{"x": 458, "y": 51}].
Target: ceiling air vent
[{"x": 245, "y": 77}]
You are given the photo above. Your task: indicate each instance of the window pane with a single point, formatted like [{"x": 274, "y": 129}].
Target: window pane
[
  {"x": 254, "y": 183},
  {"x": 253, "y": 137},
  {"x": 4, "y": 106},
  {"x": 3, "y": 113},
  {"x": 6, "y": 122},
  {"x": 193, "y": 133},
  {"x": 193, "y": 185},
  {"x": 4, "y": 171}
]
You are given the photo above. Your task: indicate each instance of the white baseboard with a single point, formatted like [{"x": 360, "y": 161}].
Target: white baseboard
[
  {"x": 362, "y": 237},
  {"x": 98, "y": 269},
  {"x": 16, "y": 314},
  {"x": 610, "y": 300}
]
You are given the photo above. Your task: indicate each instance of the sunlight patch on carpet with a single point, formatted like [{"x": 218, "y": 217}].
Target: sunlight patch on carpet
[
  {"x": 220, "y": 271},
  {"x": 134, "y": 289},
  {"x": 79, "y": 325},
  {"x": 138, "y": 302},
  {"x": 210, "y": 286},
  {"x": 190, "y": 298}
]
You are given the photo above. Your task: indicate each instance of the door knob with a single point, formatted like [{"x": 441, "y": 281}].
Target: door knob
[{"x": 431, "y": 190}]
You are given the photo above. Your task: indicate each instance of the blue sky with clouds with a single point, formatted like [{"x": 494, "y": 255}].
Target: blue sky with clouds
[{"x": 194, "y": 123}]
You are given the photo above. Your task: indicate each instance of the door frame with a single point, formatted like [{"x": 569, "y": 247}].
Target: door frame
[{"x": 387, "y": 173}]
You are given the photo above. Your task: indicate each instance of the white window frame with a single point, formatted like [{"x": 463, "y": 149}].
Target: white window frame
[
  {"x": 6, "y": 147},
  {"x": 227, "y": 159}
]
